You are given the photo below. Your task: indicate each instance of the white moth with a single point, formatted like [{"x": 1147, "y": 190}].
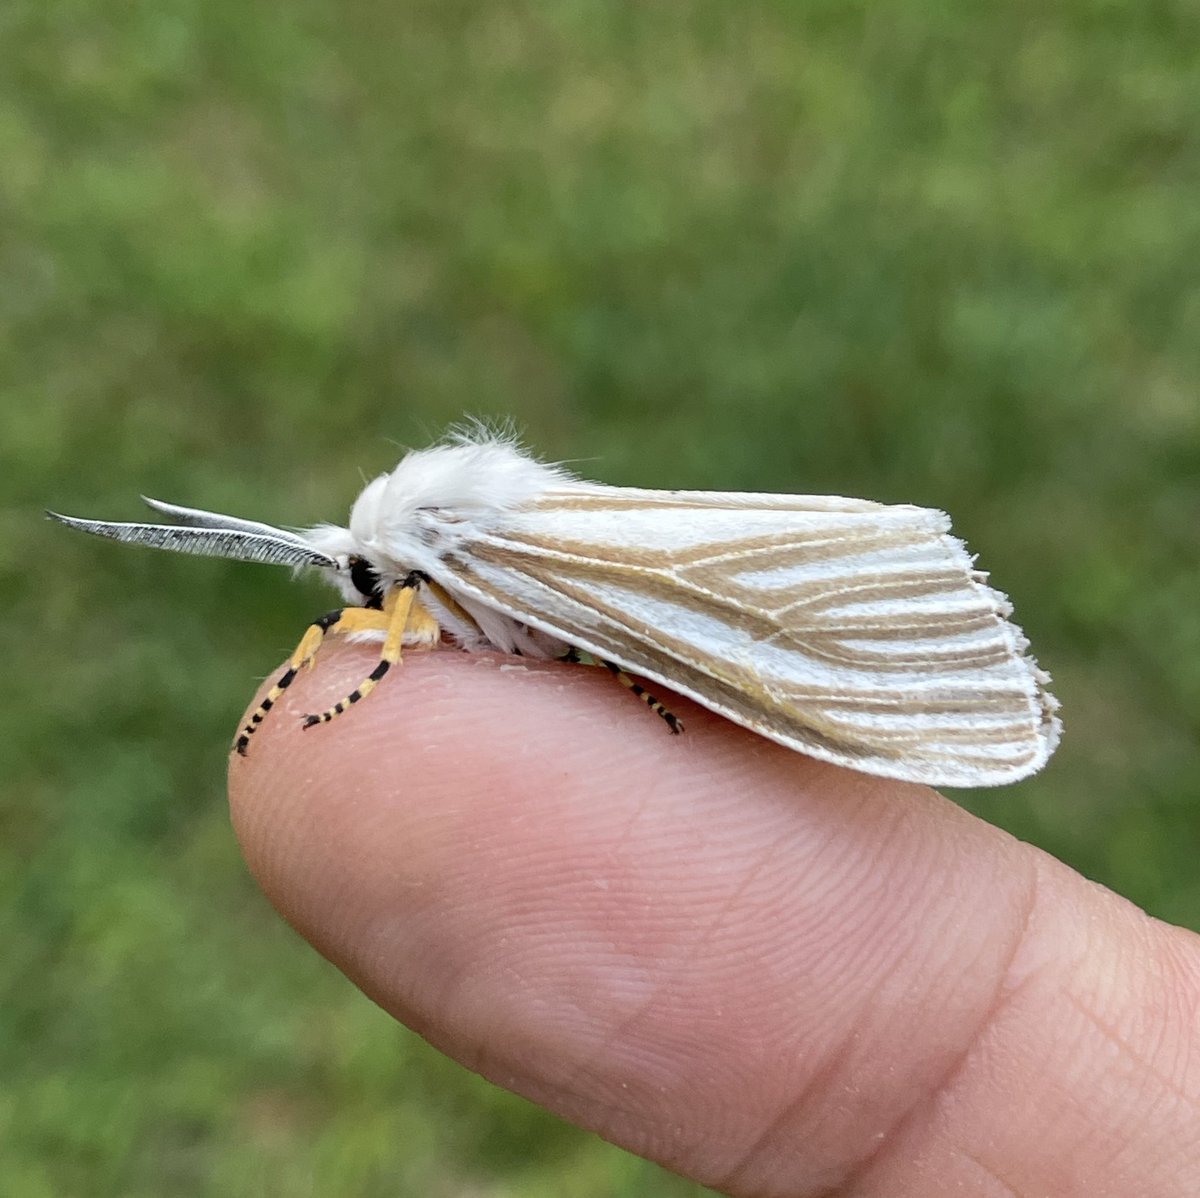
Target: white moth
[{"x": 859, "y": 633}]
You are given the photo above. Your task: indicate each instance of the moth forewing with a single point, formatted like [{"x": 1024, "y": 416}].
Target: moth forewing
[{"x": 858, "y": 633}]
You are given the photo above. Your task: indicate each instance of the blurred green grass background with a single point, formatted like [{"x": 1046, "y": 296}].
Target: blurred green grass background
[{"x": 945, "y": 254}]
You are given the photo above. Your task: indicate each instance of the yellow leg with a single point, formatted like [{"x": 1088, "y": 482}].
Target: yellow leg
[
  {"x": 422, "y": 630},
  {"x": 345, "y": 620},
  {"x": 583, "y": 657},
  {"x": 349, "y": 619},
  {"x": 672, "y": 721},
  {"x": 400, "y": 613},
  {"x": 305, "y": 655}
]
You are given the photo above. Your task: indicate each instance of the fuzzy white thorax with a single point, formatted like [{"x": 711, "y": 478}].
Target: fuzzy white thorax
[
  {"x": 435, "y": 498},
  {"x": 467, "y": 482},
  {"x": 473, "y": 481}
]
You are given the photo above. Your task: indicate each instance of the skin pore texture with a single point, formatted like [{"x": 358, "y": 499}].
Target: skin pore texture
[{"x": 776, "y": 976}]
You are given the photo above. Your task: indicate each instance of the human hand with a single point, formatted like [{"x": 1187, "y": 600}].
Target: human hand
[{"x": 773, "y": 975}]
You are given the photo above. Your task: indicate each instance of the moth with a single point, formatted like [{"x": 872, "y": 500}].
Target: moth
[{"x": 859, "y": 633}]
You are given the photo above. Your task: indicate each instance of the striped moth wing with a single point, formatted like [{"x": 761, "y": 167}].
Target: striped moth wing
[{"x": 857, "y": 632}]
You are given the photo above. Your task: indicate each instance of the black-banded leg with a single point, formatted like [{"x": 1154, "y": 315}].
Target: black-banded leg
[
  {"x": 642, "y": 693},
  {"x": 401, "y": 615},
  {"x": 348, "y": 619},
  {"x": 660, "y": 709}
]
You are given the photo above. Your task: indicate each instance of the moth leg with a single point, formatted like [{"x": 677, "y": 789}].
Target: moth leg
[
  {"x": 304, "y": 655},
  {"x": 342, "y": 620},
  {"x": 659, "y": 708},
  {"x": 451, "y": 604},
  {"x": 401, "y": 613}
]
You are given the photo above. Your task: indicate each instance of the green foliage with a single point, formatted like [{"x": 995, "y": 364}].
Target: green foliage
[{"x": 936, "y": 253}]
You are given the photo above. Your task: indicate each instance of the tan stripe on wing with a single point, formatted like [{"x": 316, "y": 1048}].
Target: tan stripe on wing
[{"x": 868, "y": 638}]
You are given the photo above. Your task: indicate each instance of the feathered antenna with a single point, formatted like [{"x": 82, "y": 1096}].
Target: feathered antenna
[{"x": 207, "y": 534}]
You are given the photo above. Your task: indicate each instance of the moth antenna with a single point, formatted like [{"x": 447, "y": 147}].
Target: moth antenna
[
  {"x": 198, "y": 518},
  {"x": 273, "y": 547}
]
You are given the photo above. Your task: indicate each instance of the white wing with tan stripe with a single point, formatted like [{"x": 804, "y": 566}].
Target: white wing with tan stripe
[{"x": 857, "y": 632}]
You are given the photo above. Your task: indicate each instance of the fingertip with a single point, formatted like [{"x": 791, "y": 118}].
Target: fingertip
[
  {"x": 452, "y": 745},
  {"x": 519, "y": 860}
]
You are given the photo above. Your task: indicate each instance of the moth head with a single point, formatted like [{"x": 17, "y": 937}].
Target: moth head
[
  {"x": 350, "y": 565},
  {"x": 357, "y": 579}
]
